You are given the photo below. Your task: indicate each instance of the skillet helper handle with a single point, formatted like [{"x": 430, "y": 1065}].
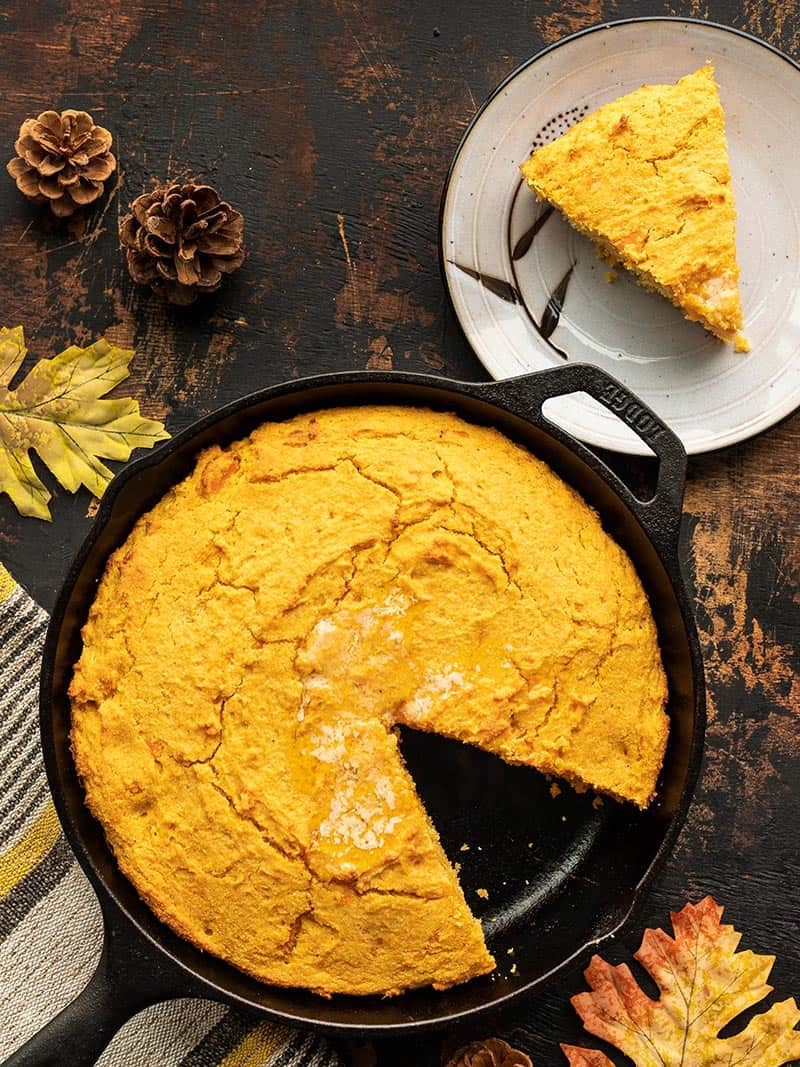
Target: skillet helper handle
[
  {"x": 126, "y": 980},
  {"x": 661, "y": 515}
]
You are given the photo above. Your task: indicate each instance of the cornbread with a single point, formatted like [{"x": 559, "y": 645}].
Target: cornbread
[
  {"x": 263, "y": 628},
  {"x": 647, "y": 178}
]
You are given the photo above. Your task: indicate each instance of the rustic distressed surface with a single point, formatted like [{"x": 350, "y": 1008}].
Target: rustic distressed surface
[{"x": 330, "y": 125}]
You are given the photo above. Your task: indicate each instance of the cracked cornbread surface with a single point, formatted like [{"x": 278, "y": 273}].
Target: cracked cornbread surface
[
  {"x": 647, "y": 178},
  {"x": 261, "y": 631}
]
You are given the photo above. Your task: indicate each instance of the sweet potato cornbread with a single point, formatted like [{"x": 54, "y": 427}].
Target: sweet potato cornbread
[
  {"x": 647, "y": 178},
  {"x": 261, "y": 631}
]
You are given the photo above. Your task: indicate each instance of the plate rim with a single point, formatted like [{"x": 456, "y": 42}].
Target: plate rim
[{"x": 778, "y": 414}]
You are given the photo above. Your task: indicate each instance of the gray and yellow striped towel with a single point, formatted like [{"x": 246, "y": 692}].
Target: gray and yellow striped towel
[{"x": 50, "y": 926}]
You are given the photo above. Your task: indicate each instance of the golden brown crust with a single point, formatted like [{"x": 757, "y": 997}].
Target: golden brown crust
[
  {"x": 255, "y": 638},
  {"x": 647, "y": 177}
]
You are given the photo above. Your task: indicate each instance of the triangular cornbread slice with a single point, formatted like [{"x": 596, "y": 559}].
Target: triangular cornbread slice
[
  {"x": 647, "y": 178},
  {"x": 306, "y": 858}
]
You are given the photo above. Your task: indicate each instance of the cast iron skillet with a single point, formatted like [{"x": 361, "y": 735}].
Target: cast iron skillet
[{"x": 562, "y": 874}]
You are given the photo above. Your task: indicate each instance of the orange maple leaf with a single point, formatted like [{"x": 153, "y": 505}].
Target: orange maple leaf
[{"x": 705, "y": 984}]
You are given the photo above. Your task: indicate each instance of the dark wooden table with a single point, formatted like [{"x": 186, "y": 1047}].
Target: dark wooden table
[{"x": 331, "y": 125}]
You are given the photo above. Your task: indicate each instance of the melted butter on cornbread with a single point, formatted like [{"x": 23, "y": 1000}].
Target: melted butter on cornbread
[
  {"x": 647, "y": 178},
  {"x": 262, "y": 629}
]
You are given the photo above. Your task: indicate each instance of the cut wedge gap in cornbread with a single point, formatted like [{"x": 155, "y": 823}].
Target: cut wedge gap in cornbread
[{"x": 647, "y": 178}]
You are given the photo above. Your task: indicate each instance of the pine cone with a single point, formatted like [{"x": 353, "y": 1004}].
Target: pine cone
[
  {"x": 181, "y": 239},
  {"x": 63, "y": 159},
  {"x": 493, "y": 1052}
]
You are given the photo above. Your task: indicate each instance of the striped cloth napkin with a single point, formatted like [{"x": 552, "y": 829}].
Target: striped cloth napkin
[{"x": 50, "y": 925}]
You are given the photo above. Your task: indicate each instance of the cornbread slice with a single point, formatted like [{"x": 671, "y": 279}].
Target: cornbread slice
[
  {"x": 647, "y": 178},
  {"x": 264, "y": 627}
]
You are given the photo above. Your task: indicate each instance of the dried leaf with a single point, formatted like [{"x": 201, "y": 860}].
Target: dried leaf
[
  {"x": 705, "y": 984},
  {"x": 586, "y": 1057},
  {"x": 57, "y": 413}
]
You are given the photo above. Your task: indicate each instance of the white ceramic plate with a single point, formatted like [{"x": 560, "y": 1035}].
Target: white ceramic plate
[{"x": 709, "y": 394}]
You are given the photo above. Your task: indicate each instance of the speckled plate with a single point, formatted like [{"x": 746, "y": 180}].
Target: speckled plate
[{"x": 530, "y": 292}]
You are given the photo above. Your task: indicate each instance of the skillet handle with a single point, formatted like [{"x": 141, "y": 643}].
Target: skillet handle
[
  {"x": 127, "y": 980},
  {"x": 661, "y": 515}
]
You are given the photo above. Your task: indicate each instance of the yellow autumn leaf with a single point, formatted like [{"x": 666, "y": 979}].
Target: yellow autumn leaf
[
  {"x": 705, "y": 984},
  {"x": 57, "y": 412}
]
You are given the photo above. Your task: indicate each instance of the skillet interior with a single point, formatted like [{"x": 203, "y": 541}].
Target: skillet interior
[{"x": 561, "y": 873}]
